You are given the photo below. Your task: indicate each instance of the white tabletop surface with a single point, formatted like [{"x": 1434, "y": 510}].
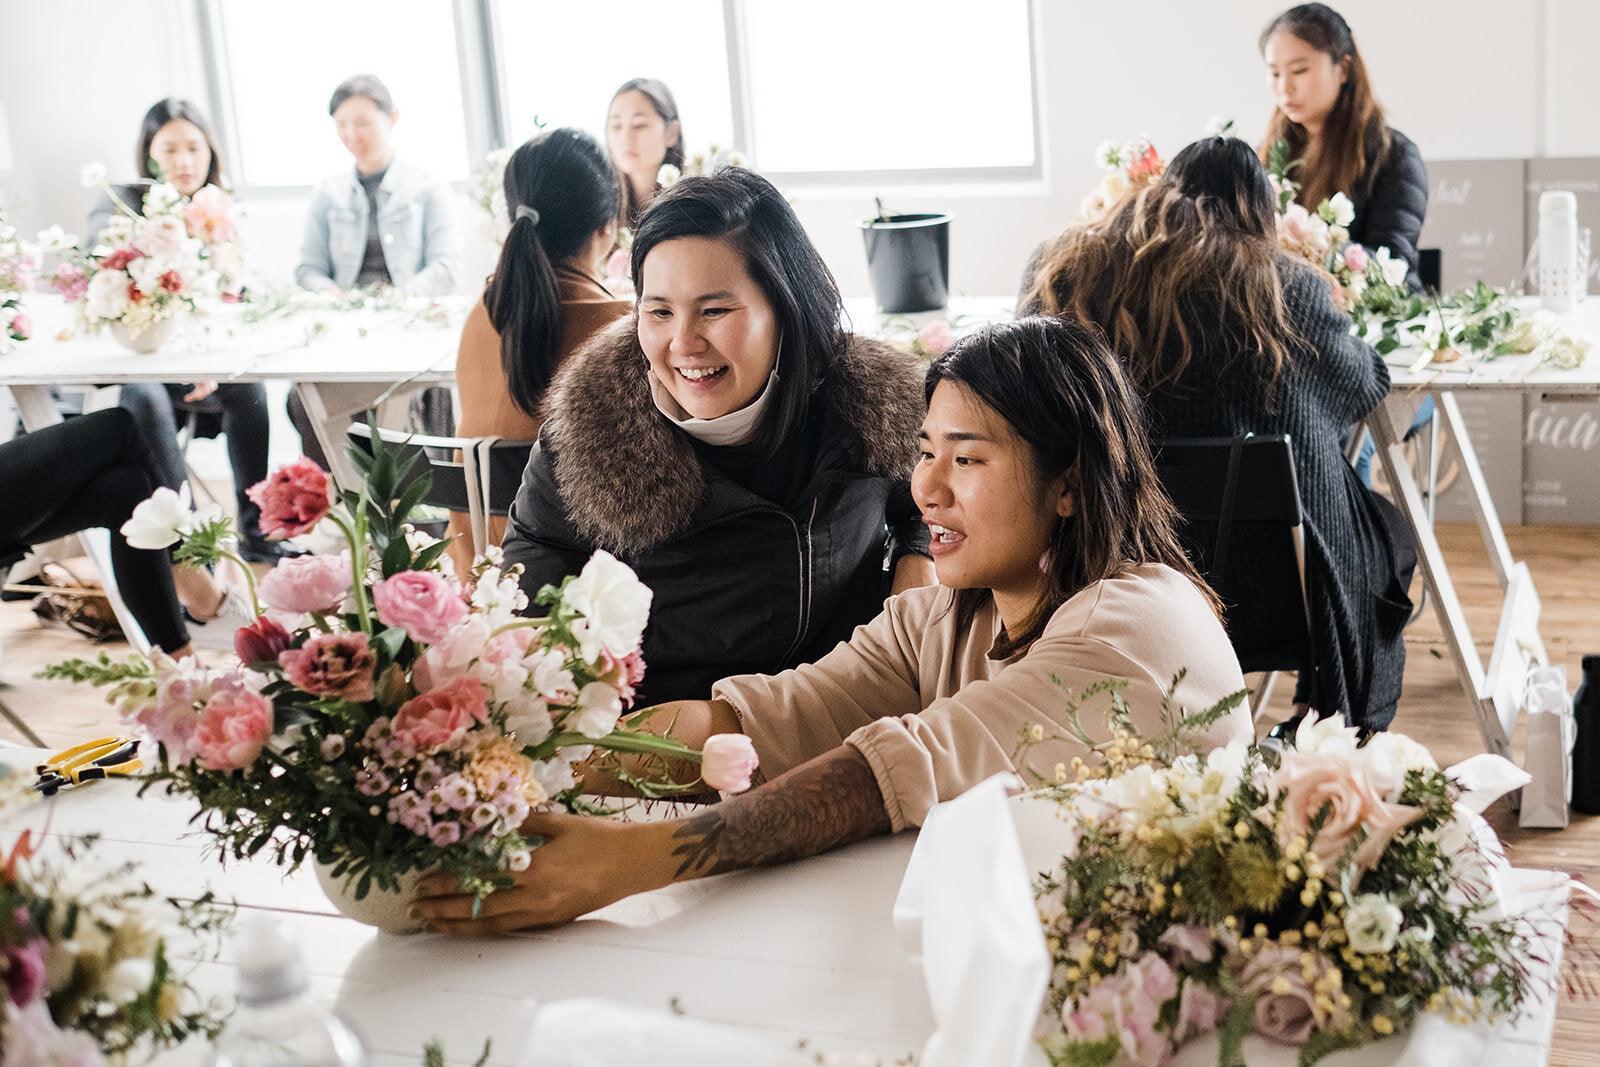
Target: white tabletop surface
[
  {"x": 321, "y": 346},
  {"x": 803, "y": 951}
]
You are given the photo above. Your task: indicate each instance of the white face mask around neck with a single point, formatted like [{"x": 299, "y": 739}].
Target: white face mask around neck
[{"x": 734, "y": 428}]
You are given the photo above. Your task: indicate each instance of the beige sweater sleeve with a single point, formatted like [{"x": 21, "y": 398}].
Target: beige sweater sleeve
[{"x": 800, "y": 714}]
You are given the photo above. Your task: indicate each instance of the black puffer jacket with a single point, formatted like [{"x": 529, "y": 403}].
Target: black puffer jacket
[
  {"x": 742, "y": 584},
  {"x": 1391, "y": 202}
]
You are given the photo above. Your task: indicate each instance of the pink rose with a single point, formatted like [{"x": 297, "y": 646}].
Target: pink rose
[
  {"x": 727, "y": 762},
  {"x": 307, "y": 583},
  {"x": 71, "y": 282},
  {"x": 1292, "y": 1016},
  {"x": 441, "y": 718},
  {"x": 293, "y": 499},
  {"x": 421, "y": 603},
  {"x": 332, "y": 665},
  {"x": 173, "y": 716},
  {"x": 260, "y": 642},
  {"x": 21, "y": 326},
  {"x": 935, "y": 338},
  {"x": 25, "y": 976},
  {"x": 208, "y": 214},
  {"x": 1338, "y": 786},
  {"x": 234, "y": 727},
  {"x": 1355, "y": 259}
]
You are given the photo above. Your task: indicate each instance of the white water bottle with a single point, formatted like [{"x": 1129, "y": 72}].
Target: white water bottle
[
  {"x": 278, "y": 1022},
  {"x": 1559, "y": 281}
]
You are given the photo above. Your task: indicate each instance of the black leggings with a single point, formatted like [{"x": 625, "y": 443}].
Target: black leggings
[
  {"x": 91, "y": 471},
  {"x": 244, "y": 423}
]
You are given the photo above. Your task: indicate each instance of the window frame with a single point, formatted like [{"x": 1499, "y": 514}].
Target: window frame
[{"x": 484, "y": 96}]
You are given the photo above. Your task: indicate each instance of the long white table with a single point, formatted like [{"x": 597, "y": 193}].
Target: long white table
[
  {"x": 805, "y": 951},
  {"x": 342, "y": 361}
]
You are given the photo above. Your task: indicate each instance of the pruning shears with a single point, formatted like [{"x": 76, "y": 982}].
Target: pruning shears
[{"x": 104, "y": 757}]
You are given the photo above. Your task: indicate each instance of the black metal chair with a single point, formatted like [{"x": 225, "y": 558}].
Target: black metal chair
[{"x": 1241, "y": 524}]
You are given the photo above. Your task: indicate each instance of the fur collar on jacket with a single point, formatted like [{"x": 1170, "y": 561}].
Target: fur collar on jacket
[{"x": 631, "y": 480}]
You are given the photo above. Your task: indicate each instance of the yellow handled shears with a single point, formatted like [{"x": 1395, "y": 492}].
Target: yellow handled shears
[{"x": 91, "y": 761}]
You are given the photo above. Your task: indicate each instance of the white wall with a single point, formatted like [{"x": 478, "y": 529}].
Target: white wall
[{"x": 1464, "y": 78}]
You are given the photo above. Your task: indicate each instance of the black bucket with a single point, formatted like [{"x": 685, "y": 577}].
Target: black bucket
[{"x": 908, "y": 257}]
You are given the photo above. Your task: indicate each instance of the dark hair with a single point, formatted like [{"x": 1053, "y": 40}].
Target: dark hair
[
  {"x": 1208, "y": 229},
  {"x": 661, "y": 98},
  {"x": 174, "y": 109},
  {"x": 1061, "y": 389},
  {"x": 744, "y": 209},
  {"x": 367, "y": 85},
  {"x": 560, "y": 189},
  {"x": 1354, "y": 134}
]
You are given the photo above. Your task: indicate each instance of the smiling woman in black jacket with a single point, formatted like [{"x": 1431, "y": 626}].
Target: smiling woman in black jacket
[
  {"x": 747, "y": 457},
  {"x": 1334, "y": 125}
]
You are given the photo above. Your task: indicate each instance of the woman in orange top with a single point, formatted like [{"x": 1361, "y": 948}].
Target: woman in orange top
[{"x": 544, "y": 299}]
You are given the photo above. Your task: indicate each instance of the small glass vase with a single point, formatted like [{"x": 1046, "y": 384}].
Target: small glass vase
[
  {"x": 382, "y": 908},
  {"x": 147, "y": 340}
]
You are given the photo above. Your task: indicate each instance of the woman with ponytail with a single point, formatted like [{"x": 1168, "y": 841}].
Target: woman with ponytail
[{"x": 544, "y": 299}]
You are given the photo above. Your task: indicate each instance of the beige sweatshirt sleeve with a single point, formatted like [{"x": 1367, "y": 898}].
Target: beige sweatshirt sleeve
[{"x": 800, "y": 714}]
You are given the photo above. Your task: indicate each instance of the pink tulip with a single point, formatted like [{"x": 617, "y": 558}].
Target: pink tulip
[{"x": 727, "y": 762}]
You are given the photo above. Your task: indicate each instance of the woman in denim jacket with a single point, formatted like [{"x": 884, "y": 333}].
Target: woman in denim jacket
[{"x": 387, "y": 222}]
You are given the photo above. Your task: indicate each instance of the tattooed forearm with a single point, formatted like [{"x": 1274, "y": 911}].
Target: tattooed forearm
[{"x": 825, "y": 804}]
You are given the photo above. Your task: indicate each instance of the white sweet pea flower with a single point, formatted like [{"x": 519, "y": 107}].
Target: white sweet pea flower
[
  {"x": 1372, "y": 923},
  {"x": 1394, "y": 270},
  {"x": 158, "y": 522},
  {"x": 599, "y": 707},
  {"x": 528, "y": 720},
  {"x": 668, "y": 176},
  {"x": 1338, "y": 210},
  {"x": 130, "y": 979},
  {"x": 93, "y": 175},
  {"x": 1217, "y": 126},
  {"x": 1327, "y": 736},
  {"x": 161, "y": 197},
  {"x": 55, "y": 239},
  {"x": 146, "y": 272},
  {"x": 614, "y": 604},
  {"x": 1106, "y": 155}
]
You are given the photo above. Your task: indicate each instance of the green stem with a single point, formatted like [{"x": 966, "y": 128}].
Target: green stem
[
  {"x": 520, "y": 624},
  {"x": 358, "y": 562},
  {"x": 250, "y": 580},
  {"x": 636, "y": 743}
]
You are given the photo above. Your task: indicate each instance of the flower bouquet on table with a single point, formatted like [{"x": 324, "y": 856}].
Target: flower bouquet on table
[
  {"x": 388, "y": 717},
  {"x": 19, "y": 271},
  {"x": 1320, "y": 898},
  {"x": 87, "y": 951}
]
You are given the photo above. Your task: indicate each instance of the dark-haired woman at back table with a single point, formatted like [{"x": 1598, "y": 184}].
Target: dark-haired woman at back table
[
  {"x": 544, "y": 299},
  {"x": 643, "y": 132}
]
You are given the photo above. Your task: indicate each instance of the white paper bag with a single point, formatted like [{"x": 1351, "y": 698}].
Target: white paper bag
[{"x": 1547, "y": 755}]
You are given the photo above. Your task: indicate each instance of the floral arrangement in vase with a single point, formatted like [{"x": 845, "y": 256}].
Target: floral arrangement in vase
[
  {"x": 389, "y": 717},
  {"x": 147, "y": 270},
  {"x": 1321, "y": 897},
  {"x": 19, "y": 272},
  {"x": 87, "y": 946},
  {"x": 710, "y": 161}
]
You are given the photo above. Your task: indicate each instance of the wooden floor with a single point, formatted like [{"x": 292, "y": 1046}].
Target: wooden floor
[{"x": 1565, "y": 562}]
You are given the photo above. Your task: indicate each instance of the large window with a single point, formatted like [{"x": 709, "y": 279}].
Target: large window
[
  {"x": 826, "y": 90},
  {"x": 284, "y": 59},
  {"x": 560, "y": 62},
  {"x": 839, "y": 86}
]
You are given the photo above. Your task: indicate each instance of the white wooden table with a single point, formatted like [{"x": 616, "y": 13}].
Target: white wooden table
[
  {"x": 1493, "y": 690},
  {"x": 802, "y": 951},
  {"x": 343, "y": 361}
]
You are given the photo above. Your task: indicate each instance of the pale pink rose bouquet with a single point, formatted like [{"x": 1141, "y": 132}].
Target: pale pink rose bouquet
[
  {"x": 19, "y": 271},
  {"x": 388, "y": 716},
  {"x": 1320, "y": 897}
]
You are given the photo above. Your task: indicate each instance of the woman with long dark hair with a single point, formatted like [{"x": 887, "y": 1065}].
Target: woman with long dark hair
[
  {"x": 643, "y": 132},
  {"x": 1330, "y": 117},
  {"x": 731, "y": 443},
  {"x": 176, "y": 145},
  {"x": 544, "y": 299},
  {"x": 1225, "y": 335},
  {"x": 1059, "y": 569}
]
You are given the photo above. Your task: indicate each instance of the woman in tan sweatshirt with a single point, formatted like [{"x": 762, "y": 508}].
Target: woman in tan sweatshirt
[
  {"x": 1059, "y": 566},
  {"x": 544, "y": 299}
]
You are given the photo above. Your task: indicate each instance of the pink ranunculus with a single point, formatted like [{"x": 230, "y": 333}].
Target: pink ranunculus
[
  {"x": 21, "y": 326},
  {"x": 1339, "y": 786},
  {"x": 341, "y": 666},
  {"x": 307, "y": 583},
  {"x": 25, "y": 971},
  {"x": 293, "y": 499},
  {"x": 234, "y": 726},
  {"x": 421, "y": 603},
  {"x": 935, "y": 338},
  {"x": 209, "y": 215},
  {"x": 261, "y": 641},
  {"x": 440, "y": 718},
  {"x": 727, "y": 762},
  {"x": 71, "y": 282},
  {"x": 623, "y": 675},
  {"x": 1355, "y": 259}
]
